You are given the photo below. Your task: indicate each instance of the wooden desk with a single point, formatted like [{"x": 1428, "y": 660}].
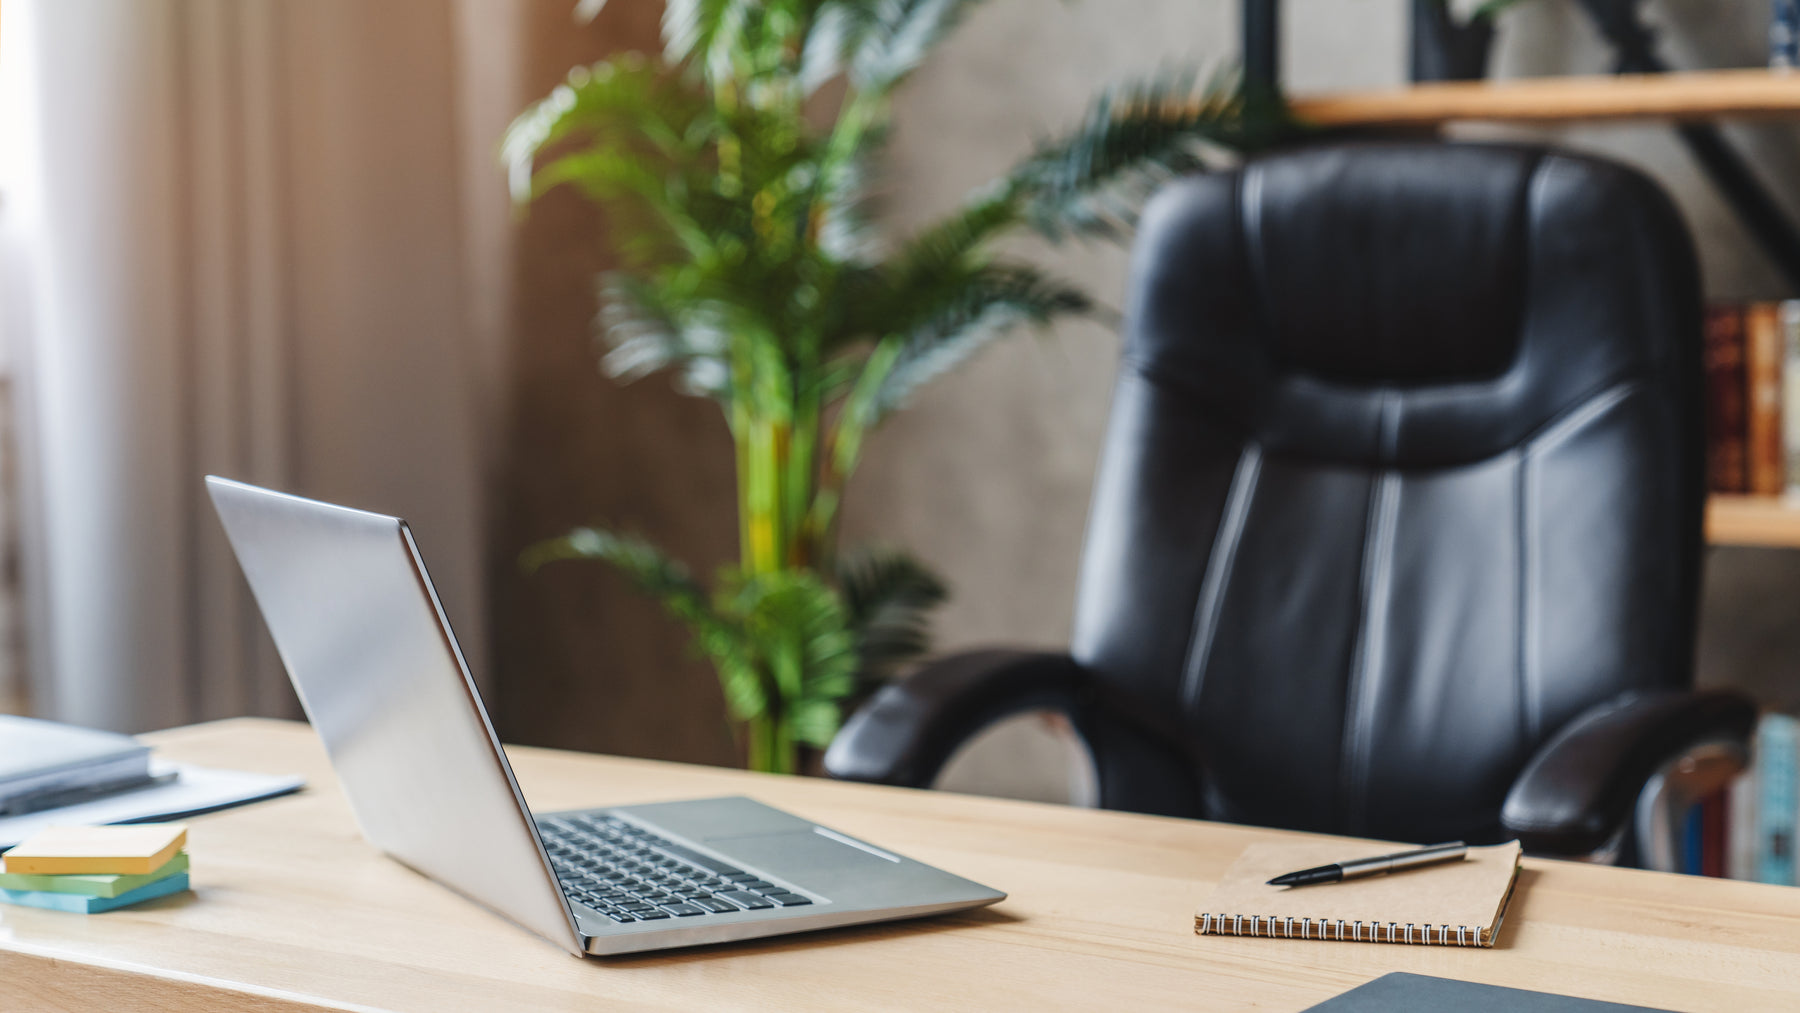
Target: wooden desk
[{"x": 292, "y": 911}]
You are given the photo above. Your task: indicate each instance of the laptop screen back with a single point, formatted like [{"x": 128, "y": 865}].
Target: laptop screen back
[{"x": 361, "y": 633}]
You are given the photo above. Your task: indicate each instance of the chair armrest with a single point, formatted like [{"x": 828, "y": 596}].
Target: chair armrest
[
  {"x": 1580, "y": 787},
  {"x": 908, "y": 730}
]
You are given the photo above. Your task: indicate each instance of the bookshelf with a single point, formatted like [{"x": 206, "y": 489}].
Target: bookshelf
[
  {"x": 1764, "y": 521},
  {"x": 1698, "y": 95}
]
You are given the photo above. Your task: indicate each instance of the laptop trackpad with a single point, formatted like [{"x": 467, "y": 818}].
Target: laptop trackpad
[{"x": 817, "y": 861}]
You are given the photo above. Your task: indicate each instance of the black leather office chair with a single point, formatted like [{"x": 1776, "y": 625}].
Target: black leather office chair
[{"x": 1397, "y": 529}]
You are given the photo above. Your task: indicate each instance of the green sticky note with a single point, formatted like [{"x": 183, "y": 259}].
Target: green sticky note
[
  {"x": 81, "y": 904},
  {"x": 91, "y": 884}
]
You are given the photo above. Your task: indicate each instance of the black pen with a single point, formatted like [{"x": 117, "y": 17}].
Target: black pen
[{"x": 1357, "y": 869}]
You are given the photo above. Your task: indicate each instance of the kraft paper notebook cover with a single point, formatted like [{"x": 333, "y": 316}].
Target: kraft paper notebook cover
[{"x": 1456, "y": 904}]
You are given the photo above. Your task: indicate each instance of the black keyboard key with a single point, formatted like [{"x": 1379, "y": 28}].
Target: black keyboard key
[
  {"x": 613, "y": 866},
  {"x": 652, "y": 915},
  {"x": 620, "y": 916}
]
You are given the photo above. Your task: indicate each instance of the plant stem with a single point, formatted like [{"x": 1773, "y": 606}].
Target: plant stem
[
  {"x": 772, "y": 745},
  {"x": 802, "y": 479},
  {"x": 740, "y": 437},
  {"x": 759, "y": 497}
]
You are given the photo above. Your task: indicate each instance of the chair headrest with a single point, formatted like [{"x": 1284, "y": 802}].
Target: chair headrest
[{"x": 1408, "y": 304}]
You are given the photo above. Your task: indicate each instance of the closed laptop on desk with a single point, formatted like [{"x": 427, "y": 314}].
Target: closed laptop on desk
[{"x": 365, "y": 641}]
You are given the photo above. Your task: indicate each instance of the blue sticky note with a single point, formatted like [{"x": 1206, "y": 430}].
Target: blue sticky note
[{"x": 81, "y": 904}]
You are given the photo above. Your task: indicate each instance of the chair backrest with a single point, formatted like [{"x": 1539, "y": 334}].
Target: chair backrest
[{"x": 1404, "y": 471}]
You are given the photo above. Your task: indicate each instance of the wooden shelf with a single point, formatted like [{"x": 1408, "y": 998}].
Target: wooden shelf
[
  {"x": 1679, "y": 96},
  {"x": 1766, "y": 521}
]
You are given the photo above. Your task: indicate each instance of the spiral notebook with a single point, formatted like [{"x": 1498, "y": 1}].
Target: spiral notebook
[{"x": 1455, "y": 904}]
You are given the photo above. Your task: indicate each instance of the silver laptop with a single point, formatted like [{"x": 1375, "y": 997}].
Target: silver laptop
[{"x": 365, "y": 641}]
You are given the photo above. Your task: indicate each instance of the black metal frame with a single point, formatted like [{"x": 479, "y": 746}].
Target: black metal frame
[
  {"x": 1634, "y": 45},
  {"x": 1262, "y": 48}
]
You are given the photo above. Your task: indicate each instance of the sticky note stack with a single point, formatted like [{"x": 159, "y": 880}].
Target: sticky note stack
[{"x": 93, "y": 869}]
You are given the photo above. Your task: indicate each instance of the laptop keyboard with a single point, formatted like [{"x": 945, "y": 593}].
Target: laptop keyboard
[{"x": 629, "y": 874}]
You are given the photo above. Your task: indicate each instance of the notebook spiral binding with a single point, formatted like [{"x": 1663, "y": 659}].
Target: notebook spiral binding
[{"x": 1345, "y": 931}]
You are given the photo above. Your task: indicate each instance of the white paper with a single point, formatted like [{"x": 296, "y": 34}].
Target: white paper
[{"x": 194, "y": 790}]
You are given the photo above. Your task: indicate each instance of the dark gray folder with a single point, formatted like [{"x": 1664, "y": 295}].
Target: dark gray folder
[{"x": 1406, "y": 993}]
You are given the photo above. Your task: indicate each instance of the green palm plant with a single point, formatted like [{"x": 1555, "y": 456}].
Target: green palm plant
[{"x": 752, "y": 271}]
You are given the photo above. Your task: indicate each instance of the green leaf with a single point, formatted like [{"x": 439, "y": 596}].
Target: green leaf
[
  {"x": 889, "y": 596},
  {"x": 706, "y": 30},
  {"x": 626, "y": 103},
  {"x": 1134, "y": 138},
  {"x": 879, "y": 42},
  {"x": 654, "y": 573},
  {"x": 984, "y": 305},
  {"x": 646, "y": 334},
  {"x": 816, "y": 722},
  {"x": 745, "y": 695},
  {"x": 795, "y": 628}
]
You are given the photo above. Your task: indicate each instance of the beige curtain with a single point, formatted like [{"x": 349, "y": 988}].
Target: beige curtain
[{"x": 235, "y": 235}]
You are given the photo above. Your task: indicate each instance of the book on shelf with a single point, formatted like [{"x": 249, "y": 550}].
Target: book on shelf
[
  {"x": 1740, "y": 829},
  {"x": 1712, "y": 834},
  {"x": 1790, "y": 399},
  {"x": 1747, "y": 830},
  {"x": 1777, "y": 797},
  {"x": 1752, "y": 384},
  {"x": 1727, "y": 432},
  {"x": 1763, "y": 355}
]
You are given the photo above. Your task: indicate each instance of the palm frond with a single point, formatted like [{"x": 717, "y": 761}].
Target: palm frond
[
  {"x": 990, "y": 301},
  {"x": 888, "y": 596},
  {"x": 927, "y": 271},
  {"x": 1133, "y": 139},
  {"x": 846, "y": 201},
  {"x": 625, "y": 102},
  {"x": 837, "y": 26},
  {"x": 878, "y": 42},
  {"x": 706, "y": 31},
  {"x": 951, "y": 241},
  {"x": 646, "y": 334},
  {"x": 646, "y": 566},
  {"x": 796, "y": 631}
]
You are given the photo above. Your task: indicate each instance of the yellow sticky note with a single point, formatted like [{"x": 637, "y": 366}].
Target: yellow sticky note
[{"x": 134, "y": 850}]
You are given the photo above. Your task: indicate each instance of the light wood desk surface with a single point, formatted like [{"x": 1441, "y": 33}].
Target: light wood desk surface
[{"x": 292, "y": 911}]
